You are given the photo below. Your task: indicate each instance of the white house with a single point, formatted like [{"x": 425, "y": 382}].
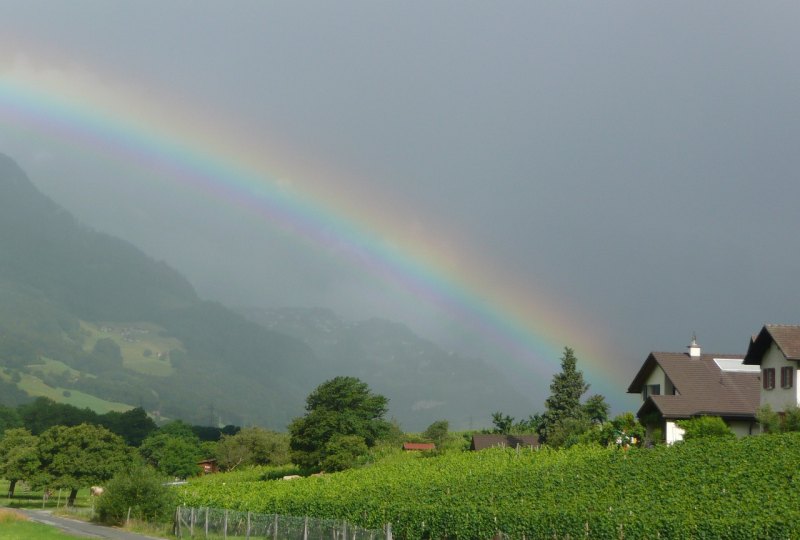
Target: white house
[
  {"x": 775, "y": 351},
  {"x": 676, "y": 386}
]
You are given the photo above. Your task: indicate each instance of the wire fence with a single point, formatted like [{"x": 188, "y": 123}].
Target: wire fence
[{"x": 215, "y": 523}]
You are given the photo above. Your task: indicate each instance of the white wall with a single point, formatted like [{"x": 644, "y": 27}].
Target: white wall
[
  {"x": 673, "y": 433},
  {"x": 778, "y": 398}
]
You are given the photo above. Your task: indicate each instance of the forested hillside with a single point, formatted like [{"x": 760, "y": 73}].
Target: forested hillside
[
  {"x": 90, "y": 320},
  {"x": 64, "y": 287}
]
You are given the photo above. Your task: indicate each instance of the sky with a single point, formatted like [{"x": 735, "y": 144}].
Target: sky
[{"x": 507, "y": 178}]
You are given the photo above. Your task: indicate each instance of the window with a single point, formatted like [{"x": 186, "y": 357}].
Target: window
[
  {"x": 768, "y": 378},
  {"x": 787, "y": 376},
  {"x": 651, "y": 390}
]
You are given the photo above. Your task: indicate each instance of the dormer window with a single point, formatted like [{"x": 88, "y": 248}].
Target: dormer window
[{"x": 651, "y": 390}]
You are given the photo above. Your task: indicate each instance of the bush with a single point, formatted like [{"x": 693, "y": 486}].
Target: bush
[
  {"x": 704, "y": 426},
  {"x": 140, "y": 489}
]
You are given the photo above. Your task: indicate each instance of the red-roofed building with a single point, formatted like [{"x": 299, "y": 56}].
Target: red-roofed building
[{"x": 418, "y": 446}]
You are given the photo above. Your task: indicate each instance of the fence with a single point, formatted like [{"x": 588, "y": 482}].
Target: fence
[{"x": 215, "y": 523}]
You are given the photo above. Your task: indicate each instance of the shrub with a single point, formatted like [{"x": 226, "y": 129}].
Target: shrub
[
  {"x": 140, "y": 489},
  {"x": 704, "y": 426}
]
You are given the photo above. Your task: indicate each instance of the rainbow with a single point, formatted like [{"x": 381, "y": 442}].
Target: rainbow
[{"x": 173, "y": 143}]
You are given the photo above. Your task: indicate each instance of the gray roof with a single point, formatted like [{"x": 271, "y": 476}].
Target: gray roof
[{"x": 702, "y": 387}]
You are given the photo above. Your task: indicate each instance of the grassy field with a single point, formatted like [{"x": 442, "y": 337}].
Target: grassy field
[
  {"x": 14, "y": 526},
  {"x": 34, "y": 386},
  {"x": 140, "y": 344},
  {"x": 25, "y": 497}
]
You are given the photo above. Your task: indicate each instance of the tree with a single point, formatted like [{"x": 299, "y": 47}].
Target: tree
[
  {"x": 19, "y": 457},
  {"x": 80, "y": 456},
  {"x": 9, "y": 419},
  {"x": 564, "y": 402},
  {"x": 596, "y": 409},
  {"x": 133, "y": 425},
  {"x": 502, "y": 424},
  {"x": 437, "y": 432},
  {"x": 252, "y": 446},
  {"x": 138, "y": 492},
  {"x": 340, "y": 406},
  {"x": 172, "y": 455},
  {"x": 702, "y": 427},
  {"x": 342, "y": 451}
]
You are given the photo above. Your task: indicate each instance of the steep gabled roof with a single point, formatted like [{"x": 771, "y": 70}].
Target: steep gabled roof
[
  {"x": 703, "y": 388},
  {"x": 785, "y": 336}
]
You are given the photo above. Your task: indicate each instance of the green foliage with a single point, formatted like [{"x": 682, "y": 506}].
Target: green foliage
[
  {"x": 565, "y": 399},
  {"x": 436, "y": 432},
  {"x": 772, "y": 422},
  {"x": 172, "y": 453},
  {"x": 342, "y": 452},
  {"x": 704, "y": 426},
  {"x": 252, "y": 446},
  {"x": 697, "y": 489},
  {"x": 596, "y": 409},
  {"x": 340, "y": 406},
  {"x": 502, "y": 423},
  {"x": 140, "y": 489},
  {"x": 80, "y": 456},
  {"x": 9, "y": 419},
  {"x": 133, "y": 425},
  {"x": 19, "y": 457}
]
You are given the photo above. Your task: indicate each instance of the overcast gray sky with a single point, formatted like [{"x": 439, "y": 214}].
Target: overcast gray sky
[{"x": 635, "y": 162}]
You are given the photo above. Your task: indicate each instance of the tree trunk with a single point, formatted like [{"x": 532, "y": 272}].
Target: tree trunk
[
  {"x": 11, "y": 485},
  {"x": 72, "y": 494}
]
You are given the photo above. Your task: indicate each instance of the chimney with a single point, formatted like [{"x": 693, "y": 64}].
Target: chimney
[{"x": 694, "y": 348}]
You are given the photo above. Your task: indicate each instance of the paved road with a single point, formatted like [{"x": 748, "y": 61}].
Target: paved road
[{"x": 82, "y": 528}]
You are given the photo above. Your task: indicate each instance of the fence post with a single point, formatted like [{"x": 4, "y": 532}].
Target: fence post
[
  {"x": 305, "y": 529},
  {"x": 247, "y": 536},
  {"x": 225, "y": 525},
  {"x": 389, "y": 531},
  {"x": 178, "y": 522},
  {"x": 128, "y": 519},
  {"x": 206, "y": 522},
  {"x": 275, "y": 528},
  {"x": 191, "y": 523}
]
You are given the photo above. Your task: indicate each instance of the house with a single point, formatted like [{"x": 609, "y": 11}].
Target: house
[
  {"x": 483, "y": 441},
  {"x": 419, "y": 446},
  {"x": 676, "y": 386},
  {"x": 775, "y": 352},
  {"x": 209, "y": 466}
]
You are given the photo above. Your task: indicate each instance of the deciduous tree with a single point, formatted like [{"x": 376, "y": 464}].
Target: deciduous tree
[
  {"x": 80, "y": 456},
  {"x": 19, "y": 457},
  {"x": 340, "y": 406}
]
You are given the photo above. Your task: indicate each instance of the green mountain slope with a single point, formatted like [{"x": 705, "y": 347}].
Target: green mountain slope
[
  {"x": 58, "y": 278},
  {"x": 90, "y": 320}
]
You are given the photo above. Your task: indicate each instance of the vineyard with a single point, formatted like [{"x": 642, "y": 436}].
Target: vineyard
[{"x": 713, "y": 488}]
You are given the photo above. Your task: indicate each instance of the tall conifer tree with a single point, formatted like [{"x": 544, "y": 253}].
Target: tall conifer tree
[{"x": 566, "y": 390}]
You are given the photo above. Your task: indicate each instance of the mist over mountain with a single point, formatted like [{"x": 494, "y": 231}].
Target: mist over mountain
[
  {"x": 89, "y": 319},
  {"x": 424, "y": 380}
]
